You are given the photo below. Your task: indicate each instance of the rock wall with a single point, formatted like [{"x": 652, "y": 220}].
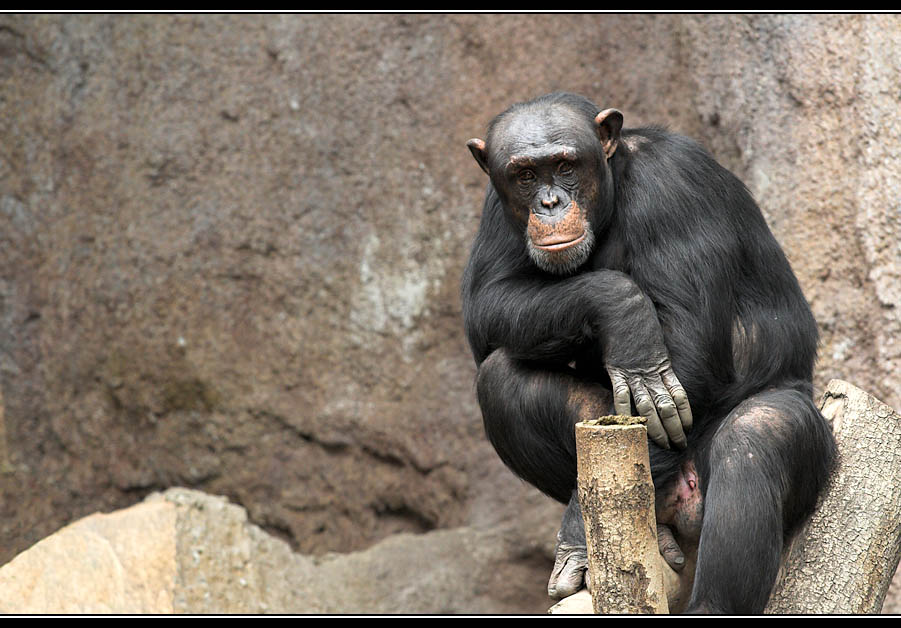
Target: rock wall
[{"x": 230, "y": 246}]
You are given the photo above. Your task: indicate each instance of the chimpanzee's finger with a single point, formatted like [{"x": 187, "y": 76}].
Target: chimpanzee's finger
[
  {"x": 644, "y": 403},
  {"x": 680, "y": 398},
  {"x": 669, "y": 548},
  {"x": 622, "y": 400},
  {"x": 666, "y": 410}
]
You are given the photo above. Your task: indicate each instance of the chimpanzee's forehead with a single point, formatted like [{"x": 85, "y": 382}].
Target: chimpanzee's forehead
[{"x": 529, "y": 128}]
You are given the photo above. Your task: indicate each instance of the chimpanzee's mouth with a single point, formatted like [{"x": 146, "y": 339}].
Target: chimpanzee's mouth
[{"x": 554, "y": 243}]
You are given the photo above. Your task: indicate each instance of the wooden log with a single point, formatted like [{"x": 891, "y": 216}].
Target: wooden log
[
  {"x": 843, "y": 559},
  {"x": 617, "y": 497}
]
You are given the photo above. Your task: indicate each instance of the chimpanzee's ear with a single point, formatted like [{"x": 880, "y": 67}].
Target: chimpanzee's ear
[
  {"x": 477, "y": 148},
  {"x": 610, "y": 122}
]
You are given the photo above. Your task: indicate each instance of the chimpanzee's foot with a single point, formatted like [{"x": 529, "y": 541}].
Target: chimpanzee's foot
[
  {"x": 571, "y": 556},
  {"x": 570, "y": 568},
  {"x": 570, "y": 573}
]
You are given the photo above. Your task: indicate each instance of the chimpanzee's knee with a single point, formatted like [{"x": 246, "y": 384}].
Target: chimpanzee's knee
[{"x": 529, "y": 414}]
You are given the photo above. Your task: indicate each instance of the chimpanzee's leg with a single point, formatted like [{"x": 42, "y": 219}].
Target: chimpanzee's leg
[
  {"x": 763, "y": 471},
  {"x": 529, "y": 415}
]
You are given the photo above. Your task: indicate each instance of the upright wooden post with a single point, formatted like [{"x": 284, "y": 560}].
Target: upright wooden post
[{"x": 617, "y": 497}]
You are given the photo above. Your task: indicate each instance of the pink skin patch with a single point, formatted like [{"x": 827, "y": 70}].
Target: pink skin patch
[
  {"x": 566, "y": 232},
  {"x": 680, "y": 505},
  {"x": 687, "y": 483}
]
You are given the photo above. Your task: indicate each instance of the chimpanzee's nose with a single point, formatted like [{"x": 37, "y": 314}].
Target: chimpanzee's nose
[{"x": 550, "y": 200}]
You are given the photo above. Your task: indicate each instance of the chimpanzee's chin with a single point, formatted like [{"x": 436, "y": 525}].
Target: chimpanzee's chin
[{"x": 562, "y": 262}]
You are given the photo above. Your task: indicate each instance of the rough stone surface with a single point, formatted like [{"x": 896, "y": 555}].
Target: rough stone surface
[
  {"x": 230, "y": 246},
  {"x": 122, "y": 562},
  {"x": 188, "y": 552}
]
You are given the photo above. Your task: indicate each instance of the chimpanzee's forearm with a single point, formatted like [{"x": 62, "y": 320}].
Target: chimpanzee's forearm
[{"x": 540, "y": 320}]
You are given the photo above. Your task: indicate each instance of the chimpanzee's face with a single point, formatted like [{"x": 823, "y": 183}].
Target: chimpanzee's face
[{"x": 549, "y": 168}]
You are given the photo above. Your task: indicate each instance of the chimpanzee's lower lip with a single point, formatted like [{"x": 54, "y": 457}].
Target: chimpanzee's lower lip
[{"x": 562, "y": 246}]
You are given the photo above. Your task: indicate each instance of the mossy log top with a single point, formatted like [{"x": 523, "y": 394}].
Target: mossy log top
[{"x": 615, "y": 419}]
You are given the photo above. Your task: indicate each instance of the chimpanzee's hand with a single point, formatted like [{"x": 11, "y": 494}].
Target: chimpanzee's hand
[
  {"x": 636, "y": 358},
  {"x": 659, "y": 398}
]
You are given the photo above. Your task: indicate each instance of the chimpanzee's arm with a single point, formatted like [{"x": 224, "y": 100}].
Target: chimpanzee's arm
[
  {"x": 550, "y": 320},
  {"x": 537, "y": 319}
]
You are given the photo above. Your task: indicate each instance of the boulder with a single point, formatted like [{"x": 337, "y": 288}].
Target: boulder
[{"x": 184, "y": 551}]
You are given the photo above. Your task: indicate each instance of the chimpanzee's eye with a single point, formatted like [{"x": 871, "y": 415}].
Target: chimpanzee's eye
[
  {"x": 526, "y": 176},
  {"x": 565, "y": 168}
]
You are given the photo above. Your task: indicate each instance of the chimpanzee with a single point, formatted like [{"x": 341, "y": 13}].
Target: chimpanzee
[{"x": 615, "y": 267}]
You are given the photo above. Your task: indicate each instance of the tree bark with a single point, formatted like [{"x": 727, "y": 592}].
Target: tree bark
[
  {"x": 843, "y": 559},
  {"x": 840, "y": 562},
  {"x": 617, "y": 497}
]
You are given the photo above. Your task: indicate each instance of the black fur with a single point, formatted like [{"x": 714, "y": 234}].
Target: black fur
[{"x": 682, "y": 233}]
